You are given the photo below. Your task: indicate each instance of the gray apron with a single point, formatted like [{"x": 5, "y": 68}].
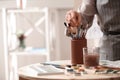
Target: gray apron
[{"x": 109, "y": 20}]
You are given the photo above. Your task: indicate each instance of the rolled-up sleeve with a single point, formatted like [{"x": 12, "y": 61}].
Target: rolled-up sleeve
[{"x": 88, "y": 10}]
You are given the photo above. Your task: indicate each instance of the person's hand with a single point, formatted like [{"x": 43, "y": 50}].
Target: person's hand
[{"x": 73, "y": 18}]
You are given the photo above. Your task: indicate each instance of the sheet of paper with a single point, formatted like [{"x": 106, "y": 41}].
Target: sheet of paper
[
  {"x": 46, "y": 70},
  {"x": 113, "y": 64}
]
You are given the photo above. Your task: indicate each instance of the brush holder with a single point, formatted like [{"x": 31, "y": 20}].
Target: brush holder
[{"x": 77, "y": 50}]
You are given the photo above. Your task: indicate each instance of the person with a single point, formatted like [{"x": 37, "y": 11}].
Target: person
[{"x": 108, "y": 18}]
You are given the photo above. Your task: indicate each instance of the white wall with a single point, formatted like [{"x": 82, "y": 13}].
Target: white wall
[
  {"x": 2, "y": 57},
  {"x": 64, "y": 41},
  {"x": 39, "y": 3}
]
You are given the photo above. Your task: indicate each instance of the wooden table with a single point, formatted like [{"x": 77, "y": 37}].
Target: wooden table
[{"x": 23, "y": 75}]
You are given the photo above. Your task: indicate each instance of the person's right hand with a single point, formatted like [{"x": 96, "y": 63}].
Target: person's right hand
[{"x": 73, "y": 18}]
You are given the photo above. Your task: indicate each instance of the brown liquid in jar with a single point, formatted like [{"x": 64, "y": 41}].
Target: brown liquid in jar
[{"x": 91, "y": 60}]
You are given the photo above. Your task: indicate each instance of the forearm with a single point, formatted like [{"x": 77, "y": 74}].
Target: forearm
[{"x": 87, "y": 11}]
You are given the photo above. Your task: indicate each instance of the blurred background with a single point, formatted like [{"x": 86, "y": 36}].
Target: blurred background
[{"x": 32, "y": 31}]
